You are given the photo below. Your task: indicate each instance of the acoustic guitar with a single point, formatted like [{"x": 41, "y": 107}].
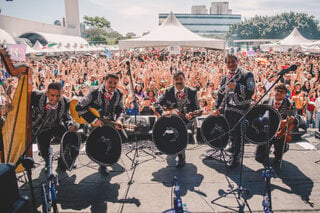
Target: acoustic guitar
[{"x": 80, "y": 120}]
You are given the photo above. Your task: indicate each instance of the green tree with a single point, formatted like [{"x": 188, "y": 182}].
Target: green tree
[
  {"x": 130, "y": 35},
  {"x": 96, "y": 22},
  {"x": 96, "y": 33},
  {"x": 275, "y": 27}
]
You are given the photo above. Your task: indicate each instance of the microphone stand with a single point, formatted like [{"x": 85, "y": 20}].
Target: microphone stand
[
  {"x": 134, "y": 161},
  {"x": 28, "y": 162},
  {"x": 267, "y": 173},
  {"x": 242, "y": 121}
]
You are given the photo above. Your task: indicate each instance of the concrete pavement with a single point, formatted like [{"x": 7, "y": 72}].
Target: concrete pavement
[{"x": 147, "y": 187}]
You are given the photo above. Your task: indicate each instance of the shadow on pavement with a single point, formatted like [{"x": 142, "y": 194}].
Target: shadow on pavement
[
  {"x": 298, "y": 182},
  {"x": 188, "y": 177}
]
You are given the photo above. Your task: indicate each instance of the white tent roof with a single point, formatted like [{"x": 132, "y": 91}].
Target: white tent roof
[
  {"x": 294, "y": 39},
  {"x": 6, "y": 38},
  {"x": 58, "y": 38},
  {"x": 172, "y": 33},
  {"x": 28, "y": 48},
  {"x": 312, "y": 47},
  {"x": 37, "y": 46}
]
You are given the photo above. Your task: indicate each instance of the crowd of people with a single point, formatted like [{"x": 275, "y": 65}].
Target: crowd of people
[
  {"x": 155, "y": 82},
  {"x": 152, "y": 70}
]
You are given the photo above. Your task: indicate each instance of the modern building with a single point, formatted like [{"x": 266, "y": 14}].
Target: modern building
[
  {"x": 199, "y": 10},
  {"x": 216, "y": 23},
  {"x": 220, "y": 8}
]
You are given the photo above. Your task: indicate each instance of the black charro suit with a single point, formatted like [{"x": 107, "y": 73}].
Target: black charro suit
[
  {"x": 235, "y": 103},
  {"x": 110, "y": 109},
  {"x": 189, "y": 103},
  {"x": 58, "y": 123}
]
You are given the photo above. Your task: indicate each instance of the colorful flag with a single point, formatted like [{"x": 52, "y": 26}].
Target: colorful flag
[{"x": 108, "y": 53}]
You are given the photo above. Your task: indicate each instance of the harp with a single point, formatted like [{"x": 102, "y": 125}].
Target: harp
[{"x": 16, "y": 130}]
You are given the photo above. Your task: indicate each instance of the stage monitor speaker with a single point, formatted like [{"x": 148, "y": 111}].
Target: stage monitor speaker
[
  {"x": 199, "y": 120},
  {"x": 144, "y": 123}
]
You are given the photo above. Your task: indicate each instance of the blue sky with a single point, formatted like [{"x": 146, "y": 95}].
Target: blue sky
[{"x": 139, "y": 16}]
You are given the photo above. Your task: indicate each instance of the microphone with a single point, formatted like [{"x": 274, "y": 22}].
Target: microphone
[{"x": 285, "y": 71}]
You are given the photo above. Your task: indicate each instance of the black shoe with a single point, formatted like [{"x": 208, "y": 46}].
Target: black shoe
[
  {"x": 180, "y": 163},
  {"x": 103, "y": 170},
  {"x": 233, "y": 163}
]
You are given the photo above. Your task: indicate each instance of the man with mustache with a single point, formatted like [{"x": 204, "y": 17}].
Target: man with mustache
[
  {"x": 234, "y": 99},
  {"x": 108, "y": 100},
  {"x": 182, "y": 99}
]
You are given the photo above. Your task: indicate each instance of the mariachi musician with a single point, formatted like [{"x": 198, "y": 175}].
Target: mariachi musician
[
  {"x": 50, "y": 103},
  {"x": 179, "y": 99},
  {"x": 288, "y": 113},
  {"x": 234, "y": 99},
  {"x": 108, "y": 100}
]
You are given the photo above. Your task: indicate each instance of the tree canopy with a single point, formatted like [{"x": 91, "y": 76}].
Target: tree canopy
[
  {"x": 275, "y": 27},
  {"x": 97, "y": 32},
  {"x": 96, "y": 22}
]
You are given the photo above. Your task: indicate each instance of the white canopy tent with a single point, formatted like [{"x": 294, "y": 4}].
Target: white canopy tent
[
  {"x": 49, "y": 38},
  {"x": 37, "y": 46},
  {"x": 293, "y": 41},
  {"x": 28, "y": 48},
  {"x": 172, "y": 33},
  {"x": 311, "y": 47},
  {"x": 6, "y": 38}
]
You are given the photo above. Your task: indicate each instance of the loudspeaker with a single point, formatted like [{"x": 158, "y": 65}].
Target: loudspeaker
[
  {"x": 22, "y": 205},
  {"x": 10, "y": 199},
  {"x": 144, "y": 124},
  {"x": 8, "y": 187}
]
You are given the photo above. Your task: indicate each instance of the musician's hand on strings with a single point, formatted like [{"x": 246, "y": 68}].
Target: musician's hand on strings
[
  {"x": 119, "y": 125},
  {"x": 189, "y": 116},
  {"x": 166, "y": 113},
  {"x": 215, "y": 113},
  {"x": 73, "y": 128},
  {"x": 290, "y": 119},
  {"x": 98, "y": 123},
  {"x": 231, "y": 85}
]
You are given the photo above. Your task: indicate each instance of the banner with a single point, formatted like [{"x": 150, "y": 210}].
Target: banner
[
  {"x": 174, "y": 50},
  {"x": 17, "y": 52}
]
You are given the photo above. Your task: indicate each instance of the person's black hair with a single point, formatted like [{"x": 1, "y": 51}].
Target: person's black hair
[
  {"x": 231, "y": 56},
  {"x": 55, "y": 85},
  {"x": 111, "y": 75},
  {"x": 281, "y": 86},
  {"x": 176, "y": 74}
]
